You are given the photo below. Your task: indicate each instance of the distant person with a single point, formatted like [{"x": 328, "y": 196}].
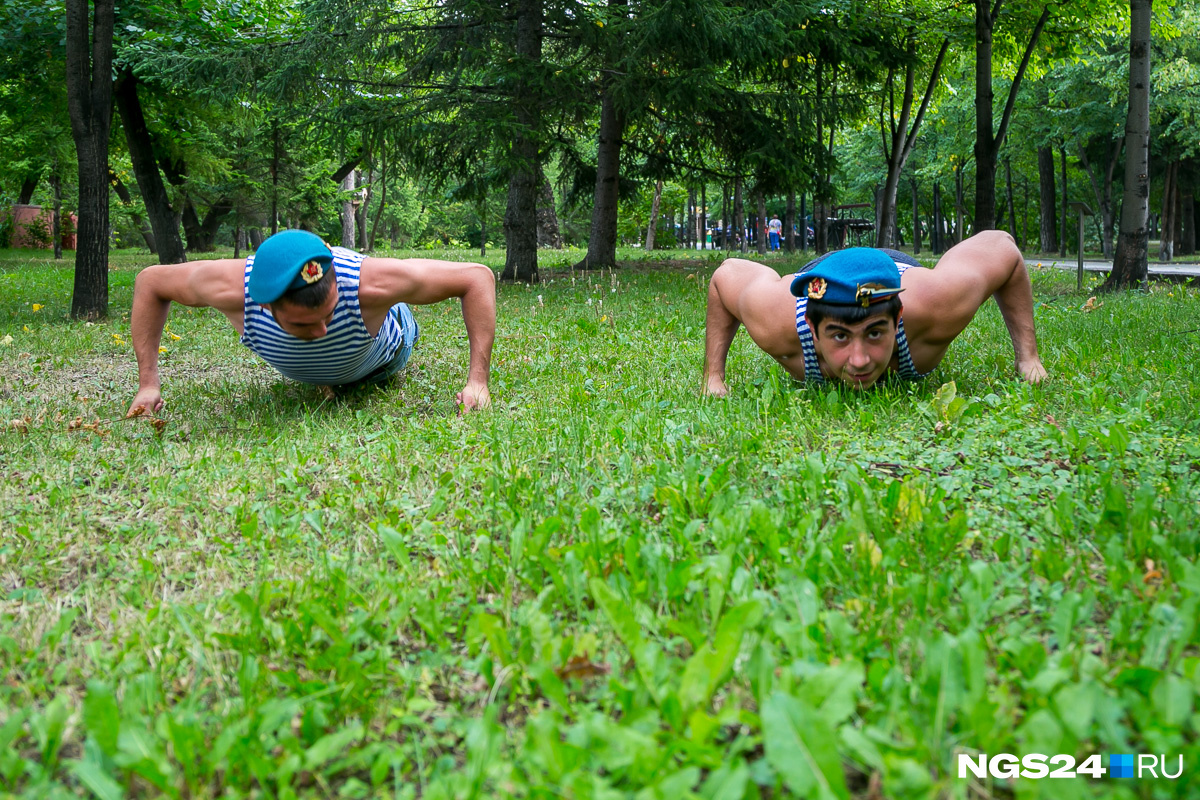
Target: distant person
[
  {"x": 320, "y": 315},
  {"x": 774, "y": 230},
  {"x": 839, "y": 318}
]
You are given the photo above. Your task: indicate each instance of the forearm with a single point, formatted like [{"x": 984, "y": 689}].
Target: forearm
[
  {"x": 1015, "y": 298},
  {"x": 720, "y": 327},
  {"x": 146, "y": 322},
  {"x": 479, "y": 317}
]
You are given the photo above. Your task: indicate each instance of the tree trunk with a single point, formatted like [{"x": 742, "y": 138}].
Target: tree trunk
[
  {"x": 916, "y": 219},
  {"x": 987, "y": 143},
  {"x": 702, "y": 231},
  {"x": 1102, "y": 191},
  {"x": 127, "y": 200},
  {"x": 145, "y": 170},
  {"x": 89, "y": 104},
  {"x": 602, "y": 244},
  {"x": 382, "y": 198},
  {"x": 361, "y": 207},
  {"x": 739, "y": 217},
  {"x": 1187, "y": 244},
  {"x": 1166, "y": 245},
  {"x": 547, "y": 219},
  {"x": 348, "y": 185},
  {"x": 56, "y": 217},
  {"x": 520, "y": 217},
  {"x": 1047, "y": 200},
  {"x": 936, "y": 239},
  {"x": 959, "y": 199},
  {"x": 1066, "y": 207},
  {"x": 803, "y": 223},
  {"x": 1129, "y": 260},
  {"x": 760, "y": 223},
  {"x": 28, "y": 186},
  {"x": 654, "y": 205},
  {"x": 789, "y": 223},
  {"x": 1012, "y": 209}
]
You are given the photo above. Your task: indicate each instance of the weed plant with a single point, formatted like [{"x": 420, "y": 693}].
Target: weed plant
[{"x": 607, "y": 586}]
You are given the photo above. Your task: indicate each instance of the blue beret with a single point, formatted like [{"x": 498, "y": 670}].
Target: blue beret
[
  {"x": 857, "y": 276},
  {"x": 279, "y": 264}
]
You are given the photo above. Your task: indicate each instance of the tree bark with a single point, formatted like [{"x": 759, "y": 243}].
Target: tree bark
[
  {"x": 602, "y": 243},
  {"x": 520, "y": 217},
  {"x": 1048, "y": 202},
  {"x": 1012, "y": 209},
  {"x": 1166, "y": 244},
  {"x": 127, "y": 200},
  {"x": 987, "y": 143},
  {"x": 347, "y": 186},
  {"x": 1187, "y": 244},
  {"x": 89, "y": 104},
  {"x": 547, "y": 219},
  {"x": 702, "y": 231},
  {"x": 803, "y": 222},
  {"x": 1066, "y": 207},
  {"x": 916, "y": 219},
  {"x": 937, "y": 237},
  {"x": 789, "y": 223},
  {"x": 363, "y": 196},
  {"x": 902, "y": 141},
  {"x": 1130, "y": 259},
  {"x": 654, "y": 206},
  {"x": 56, "y": 217},
  {"x": 145, "y": 170},
  {"x": 28, "y": 185},
  {"x": 760, "y": 222},
  {"x": 739, "y": 217}
]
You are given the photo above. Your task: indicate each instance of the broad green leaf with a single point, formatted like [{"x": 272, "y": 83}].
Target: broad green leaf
[
  {"x": 101, "y": 717},
  {"x": 330, "y": 745},
  {"x": 802, "y": 748},
  {"x": 93, "y": 776}
]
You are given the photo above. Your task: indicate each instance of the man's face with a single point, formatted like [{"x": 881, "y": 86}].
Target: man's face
[
  {"x": 305, "y": 323},
  {"x": 857, "y": 354}
]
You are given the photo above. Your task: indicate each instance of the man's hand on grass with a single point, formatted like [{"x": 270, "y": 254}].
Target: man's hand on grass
[
  {"x": 473, "y": 397},
  {"x": 1032, "y": 370},
  {"x": 148, "y": 400},
  {"x": 715, "y": 387}
]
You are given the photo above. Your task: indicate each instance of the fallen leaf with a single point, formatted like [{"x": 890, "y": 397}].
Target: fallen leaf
[
  {"x": 1050, "y": 418},
  {"x": 1152, "y": 575},
  {"x": 581, "y": 667},
  {"x": 1091, "y": 305},
  {"x": 19, "y": 425},
  {"x": 135, "y": 412}
]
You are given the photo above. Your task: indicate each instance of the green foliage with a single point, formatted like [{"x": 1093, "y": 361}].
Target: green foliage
[{"x": 607, "y": 585}]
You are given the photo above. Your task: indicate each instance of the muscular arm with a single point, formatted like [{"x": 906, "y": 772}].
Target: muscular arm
[
  {"x": 216, "y": 284},
  {"x": 944, "y": 300},
  {"x": 720, "y": 326},
  {"x": 422, "y": 281}
]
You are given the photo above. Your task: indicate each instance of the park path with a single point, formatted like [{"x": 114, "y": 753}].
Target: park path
[{"x": 1176, "y": 270}]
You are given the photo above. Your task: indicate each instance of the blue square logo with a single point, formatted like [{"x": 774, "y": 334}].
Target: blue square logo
[{"x": 1120, "y": 765}]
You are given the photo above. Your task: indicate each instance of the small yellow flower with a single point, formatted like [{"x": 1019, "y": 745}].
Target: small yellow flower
[
  {"x": 25, "y": 328},
  {"x": 162, "y": 349},
  {"x": 604, "y": 318},
  {"x": 38, "y": 306},
  {"x": 174, "y": 337}
]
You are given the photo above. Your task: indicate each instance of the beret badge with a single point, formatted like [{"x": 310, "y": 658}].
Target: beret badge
[
  {"x": 816, "y": 288},
  {"x": 311, "y": 272}
]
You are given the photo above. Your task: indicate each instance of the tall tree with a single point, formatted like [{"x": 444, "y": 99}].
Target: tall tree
[
  {"x": 89, "y": 101},
  {"x": 989, "y": 140},
  {"x": 1130, "y": 260},
  {"x": 898, "y": 137}
]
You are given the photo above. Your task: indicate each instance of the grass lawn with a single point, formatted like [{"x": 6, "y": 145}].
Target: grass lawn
[{"x": 607, "y": 586}]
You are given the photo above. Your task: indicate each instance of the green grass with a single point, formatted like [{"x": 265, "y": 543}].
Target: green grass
[{"x": 607, "y": 586}]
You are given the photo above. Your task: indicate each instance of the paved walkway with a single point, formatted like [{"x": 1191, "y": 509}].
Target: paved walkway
[{"x": 1175, "y": 270}]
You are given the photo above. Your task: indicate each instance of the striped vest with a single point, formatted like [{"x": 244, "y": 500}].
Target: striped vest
[{"x": 345, "y": 354}]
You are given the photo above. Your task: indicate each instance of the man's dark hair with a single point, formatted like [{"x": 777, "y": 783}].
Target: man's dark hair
[
  {"x": 314, "y": 294},
  {"x": 850, "y": 315}
]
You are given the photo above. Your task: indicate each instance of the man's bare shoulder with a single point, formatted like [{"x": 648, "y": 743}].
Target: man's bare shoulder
[{"x": 216, "y": 283}]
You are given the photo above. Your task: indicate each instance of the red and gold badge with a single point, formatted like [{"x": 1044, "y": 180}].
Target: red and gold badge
[
  {"x": 817, "y": 288},
  {"x": 311, "y": 272}
]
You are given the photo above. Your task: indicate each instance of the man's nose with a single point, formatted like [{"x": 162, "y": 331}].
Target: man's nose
[{"x": 859, "y": 357}]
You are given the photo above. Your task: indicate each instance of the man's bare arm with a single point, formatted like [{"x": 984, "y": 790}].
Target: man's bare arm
[
  {"x": 988, "y": 264},
  {"x": 216, "y": 284},
  {"x": 422, "y": 281},
  {"x": 720, "y": 326}
]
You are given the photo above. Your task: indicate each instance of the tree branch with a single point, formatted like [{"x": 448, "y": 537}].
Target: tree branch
[{"x": 1016, "y": 84}]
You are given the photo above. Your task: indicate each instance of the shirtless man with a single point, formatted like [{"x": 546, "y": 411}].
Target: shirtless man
[
  {"x": 319, "y": 315},
  {"x": 839, "y": 319}
]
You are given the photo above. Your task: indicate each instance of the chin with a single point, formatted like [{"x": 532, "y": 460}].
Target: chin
[{"x": 861, "y": 384}]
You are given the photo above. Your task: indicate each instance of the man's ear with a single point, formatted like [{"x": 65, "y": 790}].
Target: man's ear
[{"x": 811, "y": 328}]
